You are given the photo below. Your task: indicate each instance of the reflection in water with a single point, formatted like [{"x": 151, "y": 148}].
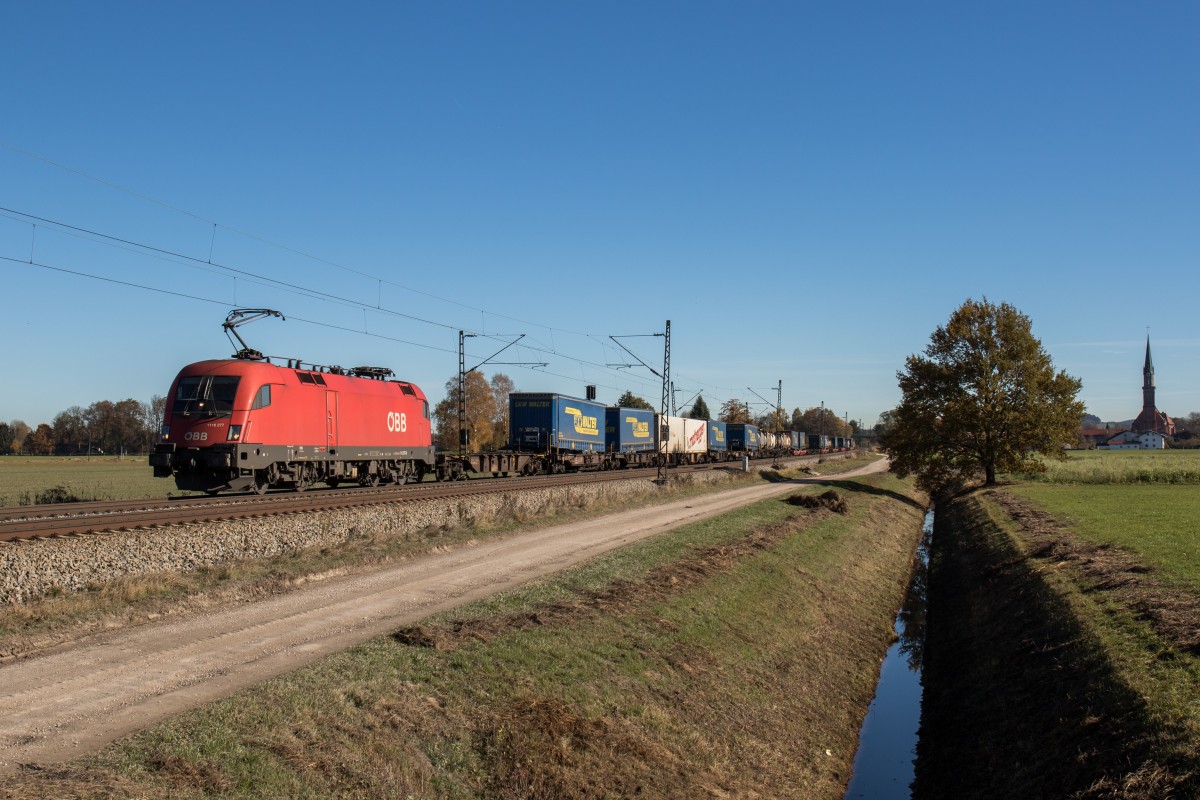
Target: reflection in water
[
  {"x": 910, "y": 622},
  {"x": 883, "y": 765}
]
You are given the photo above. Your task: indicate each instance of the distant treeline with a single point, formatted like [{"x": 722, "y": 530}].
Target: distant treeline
[{"x": 126, "y": 426}]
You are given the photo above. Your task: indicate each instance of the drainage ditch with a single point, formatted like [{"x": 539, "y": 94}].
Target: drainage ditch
[{"x": 887, "y": 745}]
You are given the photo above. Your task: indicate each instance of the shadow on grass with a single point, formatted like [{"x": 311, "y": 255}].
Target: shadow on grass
[
  {"x": 866, "y": 488},
  {"x": 1021, "y": 700}
]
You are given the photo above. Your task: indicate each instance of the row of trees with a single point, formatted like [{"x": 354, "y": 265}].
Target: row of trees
[
  {"x": 126, "y": 426},
  {"x": 817, "y": 419},
  {"x": 487, "y": 414}
]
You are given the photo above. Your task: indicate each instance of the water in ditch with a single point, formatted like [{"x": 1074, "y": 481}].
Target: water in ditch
[{"x": 887, "y": 745}]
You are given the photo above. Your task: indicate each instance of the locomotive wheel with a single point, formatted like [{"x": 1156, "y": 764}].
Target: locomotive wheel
[
  {"x": 261, "y": 484},
  {"x": 370, "y": 480}
]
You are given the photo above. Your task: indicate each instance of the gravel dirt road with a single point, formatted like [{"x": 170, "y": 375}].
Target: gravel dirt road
[{"x": 80, "y": 697}]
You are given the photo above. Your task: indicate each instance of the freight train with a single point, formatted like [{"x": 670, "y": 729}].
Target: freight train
[{"x": 247, "y": 424}]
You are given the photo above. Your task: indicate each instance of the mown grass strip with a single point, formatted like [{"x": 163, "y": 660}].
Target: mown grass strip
[{"x": 748, "y": 678}]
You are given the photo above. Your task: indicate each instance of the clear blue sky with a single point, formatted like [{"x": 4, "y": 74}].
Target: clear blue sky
[{"x": 805, "y": 190}]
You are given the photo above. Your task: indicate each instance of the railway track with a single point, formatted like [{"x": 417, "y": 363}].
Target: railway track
[{"x": 75, "y": 519}]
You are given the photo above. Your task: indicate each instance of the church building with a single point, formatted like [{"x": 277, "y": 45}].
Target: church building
[{"x": 1151, "y": 419}]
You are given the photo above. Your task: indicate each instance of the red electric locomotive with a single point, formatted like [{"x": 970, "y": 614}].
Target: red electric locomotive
[{"x": 245, "y": 423}]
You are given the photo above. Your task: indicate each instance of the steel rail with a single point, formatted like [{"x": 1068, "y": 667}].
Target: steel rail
[{"x": 74, "y": 519}]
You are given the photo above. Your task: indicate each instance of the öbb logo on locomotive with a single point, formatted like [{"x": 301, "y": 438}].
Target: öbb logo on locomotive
[
  {"x": 196, "y": 436},
  {"x": 397, "y": 422}
]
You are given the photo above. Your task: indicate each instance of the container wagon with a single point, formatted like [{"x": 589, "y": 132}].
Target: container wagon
[
  {"x": 567, "y": 431},
  {"x": 718, "y": 444},
  {"x": 628, "y": 437},
  {"x": 743, "y": 437},
  {"x": 686, "y": 440}
]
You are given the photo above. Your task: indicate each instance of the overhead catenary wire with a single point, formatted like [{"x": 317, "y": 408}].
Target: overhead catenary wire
[
  {"x": 306, "y": 291},
  {"x": 226, "y": 304},
  {"x": 193, "y": 262},
  {"x": 264, "y": 240},
  {"x": 286, "y": 285}
]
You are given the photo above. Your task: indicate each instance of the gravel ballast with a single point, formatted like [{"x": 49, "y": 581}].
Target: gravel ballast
[{"x": 35, "y": 568}]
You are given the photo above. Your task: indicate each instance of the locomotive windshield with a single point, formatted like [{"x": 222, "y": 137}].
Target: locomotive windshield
[{"x": 205, "y": 394}]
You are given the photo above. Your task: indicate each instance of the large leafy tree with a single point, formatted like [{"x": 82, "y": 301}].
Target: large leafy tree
[{"x": 983, "y": 399}]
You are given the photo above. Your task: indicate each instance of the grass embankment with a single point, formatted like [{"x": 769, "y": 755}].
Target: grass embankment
[
  {"x": 1063, "y": 653},
  {"x": 24, "y": 478},
  {"x": 733, "y": 657}
]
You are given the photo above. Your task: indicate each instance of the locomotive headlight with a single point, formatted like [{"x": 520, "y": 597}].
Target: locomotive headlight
[
  {"x": 235, "y": 433},
  {"x": 165, "y": 433}
]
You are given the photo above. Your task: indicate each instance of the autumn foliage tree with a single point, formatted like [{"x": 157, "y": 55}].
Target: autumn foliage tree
[
  {"x": 983, "y": 399},
  {"x": 487, "y": 412},
  {"x": 817, "y": 420},
  {"x": 735, "y": 411}
]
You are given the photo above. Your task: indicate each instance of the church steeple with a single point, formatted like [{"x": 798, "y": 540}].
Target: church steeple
[
  {"x": 1151, "y": 419},
  {"x": 1148, "y": 381}
]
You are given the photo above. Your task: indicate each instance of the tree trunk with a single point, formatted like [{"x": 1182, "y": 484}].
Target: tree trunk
[{"x": 989, "y": 470}]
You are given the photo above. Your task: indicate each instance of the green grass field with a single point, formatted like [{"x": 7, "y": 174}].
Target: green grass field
[
  {"x": 1144, "y": 501},
  {"x": 1145, "y": 506},
  {"x": 1158, "y": 522},
  {"x": 1120, "y": 466},
  {"x": 23, "y": 478}
]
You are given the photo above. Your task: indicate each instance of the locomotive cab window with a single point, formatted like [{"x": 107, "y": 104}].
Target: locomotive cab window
[
  {"x": 206, "y": 394},
  {"x": 263, "y": 398}
]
